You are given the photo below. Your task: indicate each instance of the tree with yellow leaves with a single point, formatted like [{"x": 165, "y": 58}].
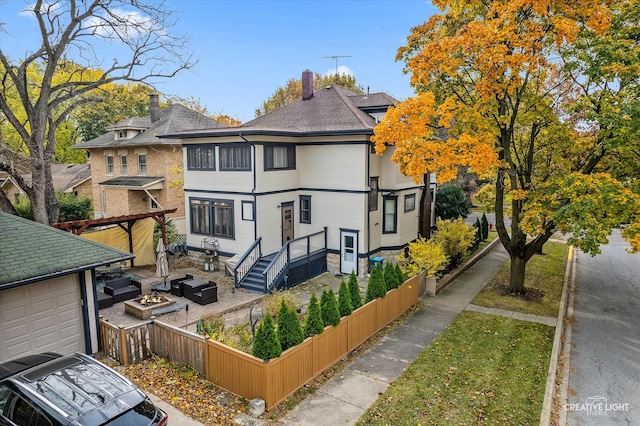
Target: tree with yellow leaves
[{"x": 505, "y": 88}]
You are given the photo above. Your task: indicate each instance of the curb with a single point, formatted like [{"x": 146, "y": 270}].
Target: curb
[
  {"x": 448, "y": 279},
  {"x": 563, "y": 333}
]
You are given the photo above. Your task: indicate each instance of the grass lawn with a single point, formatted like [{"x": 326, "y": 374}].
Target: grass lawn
[
  {"x": 482, "y": 369},
  {"x": 544, "y": 273}
]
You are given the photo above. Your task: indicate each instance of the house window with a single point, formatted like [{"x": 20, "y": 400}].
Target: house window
[
  {"x": 305, "y": 209},
  {"x": 122, "y": 134},
  {"x": 247, "y": 210},
  {"x": 110, "y": 168},
  {"x": 200, "y": 223},
  {"x": 212, "y": 217},
  {"x": 201, "y": 157},
  {"x": 142, "y": 164},
  {"x": 373, "y": 194},
  {"x": 123, "y": 165},
  {"x": 409, "y": 203},
  {"x": 222, "y": 218},
  {"x": 390, "y": 215},
  {"x": 235, "y": 157},
  {"x": 279, "y": 157}
]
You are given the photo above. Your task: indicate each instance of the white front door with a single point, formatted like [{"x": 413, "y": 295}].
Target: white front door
[{"x": 348, "y": 252}]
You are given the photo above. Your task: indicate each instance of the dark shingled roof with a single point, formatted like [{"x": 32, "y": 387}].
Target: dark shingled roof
[
  {"x": 129, "y": 181},
  {"x": 31, "y": 252},
  {"x": 332, "y": 110},
  {"x": 172, "y": 119},
  {"x": 67, "y": 176}
]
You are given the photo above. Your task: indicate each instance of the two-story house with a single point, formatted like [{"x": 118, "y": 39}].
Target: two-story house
[
  {"x": 134, "y": 171},
  {"x": 303, "y": 168}
]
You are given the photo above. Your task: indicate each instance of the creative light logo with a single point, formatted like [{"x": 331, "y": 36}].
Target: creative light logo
[{"x": 597, "y": 406}]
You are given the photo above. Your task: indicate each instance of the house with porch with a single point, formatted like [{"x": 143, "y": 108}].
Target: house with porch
[
  {"x": 48, "y": 296},
  {"x": 134, "y": 171},
  {"x": 296, "y": 182}
]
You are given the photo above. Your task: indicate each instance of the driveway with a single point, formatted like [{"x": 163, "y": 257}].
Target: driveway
[{"x": 604, "y": 374}]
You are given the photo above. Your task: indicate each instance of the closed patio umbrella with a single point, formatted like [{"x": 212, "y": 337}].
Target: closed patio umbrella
[{"x": 162, "y": 264}]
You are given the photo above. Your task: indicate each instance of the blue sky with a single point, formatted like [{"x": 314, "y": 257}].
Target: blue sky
[{"x": 246, "y": 49}]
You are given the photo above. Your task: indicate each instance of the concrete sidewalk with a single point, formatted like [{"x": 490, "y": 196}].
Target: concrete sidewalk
[{"x": 344, "y": 398}]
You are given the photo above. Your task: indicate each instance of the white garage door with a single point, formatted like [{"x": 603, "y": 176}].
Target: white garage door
[{"x": 41, "y": 317}]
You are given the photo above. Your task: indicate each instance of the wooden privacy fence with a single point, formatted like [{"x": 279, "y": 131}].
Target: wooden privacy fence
[
  {"x": 244, "y": 374},
  {"x": 130, "y": 345},
  {"x": 274, "y": 380}
]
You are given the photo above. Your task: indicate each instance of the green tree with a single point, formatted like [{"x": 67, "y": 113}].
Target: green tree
[
  {"x": 40, "y": 89},
  {"x": 546, "y": 132},
  {"x": 400, "y": 274},
  {"x": 451, "y": 203},
  {"x": 484, "y": 226},
  {"x": 289, "y": 328},
  {"x": 329, "y": 308},
  {"x": 266, "y": 344},
  {"x": 354, "y": 290},
  {"x": 344, "y": 299},
  {"x": 72, "y": 207},
  {"x": 376, "y": 287},
  {"x": 313, "y": 323},
  {"x": 292, "y": 90},
  {"x": 390, "y": 276}
]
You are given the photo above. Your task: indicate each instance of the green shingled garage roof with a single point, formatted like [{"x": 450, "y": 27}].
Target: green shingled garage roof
[{"x": 30, "y": 251}]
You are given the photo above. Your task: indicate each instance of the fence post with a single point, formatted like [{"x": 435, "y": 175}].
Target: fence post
[{"x": 124, "y": 359}]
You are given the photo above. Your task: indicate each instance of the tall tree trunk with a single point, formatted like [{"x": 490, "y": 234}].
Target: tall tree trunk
[
  {"x": 516, "y": 276},
  {"x": 425, "y": 208}
]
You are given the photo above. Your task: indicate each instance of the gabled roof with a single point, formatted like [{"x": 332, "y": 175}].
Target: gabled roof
[
  {"x": 172, "y": 119},
  {"x": 332, "y": 110},
  {"x": 31, "y": 252},
  {"x": 67, "y": 176}
]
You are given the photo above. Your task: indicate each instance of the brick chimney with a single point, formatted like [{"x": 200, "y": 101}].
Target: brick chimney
[
  {"x": 154, "y": 107},
  {"x": 307, "y": 85}
]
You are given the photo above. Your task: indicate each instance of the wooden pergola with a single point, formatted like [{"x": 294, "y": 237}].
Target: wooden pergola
[{"x": 125, "y": 222}]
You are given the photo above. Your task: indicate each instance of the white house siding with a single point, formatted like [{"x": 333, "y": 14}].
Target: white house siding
[{"x": 333, "y": 167}]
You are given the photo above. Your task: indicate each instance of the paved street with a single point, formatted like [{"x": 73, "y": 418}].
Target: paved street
[{"x": 604, "y": 378}]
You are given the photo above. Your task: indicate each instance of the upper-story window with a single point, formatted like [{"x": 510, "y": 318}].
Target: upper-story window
[
  {"x": 142, "y": 164},
  {"x": 373, "y": 194},
  {"x": 122, "y": 134},
  {"x": 123, "y": 165},
  {"x": 235, "y": 157},
  {"x": 279, "y": 157},
  {"x": 201, "y": 157},
  {"x": 109, "y": 164},
  {"x": 409, "y": 203}
]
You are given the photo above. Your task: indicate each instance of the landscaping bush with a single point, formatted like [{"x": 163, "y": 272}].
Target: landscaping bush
[
  {"x": 400, "y": 275},
  {"x": 211, "y": 325},
  {"x": 344, "y": 299},
  {"x": 484, "y": 226},
  {"x": 423, "y": 255},
  {"x": 266, "y": 344},
  {"x": 376, "y": 287},
  {"x": 455, "y": 237},
  {"x": 313, "y": 323},
  {"x": 289, "y": 328},
  {"x": 390, "y": 276},
  {"x": 354, "y": 290},
  {"x": 329, "y": 308},
  {"x": 271, "y": 302}
]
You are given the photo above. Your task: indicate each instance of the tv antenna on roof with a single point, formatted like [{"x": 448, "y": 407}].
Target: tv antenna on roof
[{"x": 336, "y": 58}]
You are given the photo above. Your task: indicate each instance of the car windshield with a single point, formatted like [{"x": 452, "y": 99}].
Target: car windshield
[{"x": 142, "y": 414}]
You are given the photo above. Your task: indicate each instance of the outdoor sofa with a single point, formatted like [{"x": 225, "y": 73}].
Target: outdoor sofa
[
  {"x": 123, "y": 288},
  {"x": 206, "y": 295}
]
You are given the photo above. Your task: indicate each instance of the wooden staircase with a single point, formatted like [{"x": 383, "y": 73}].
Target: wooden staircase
[{"x": 254, "y": 280}]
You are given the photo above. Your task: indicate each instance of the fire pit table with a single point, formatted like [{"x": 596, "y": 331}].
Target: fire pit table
[{"x": 142, "y": 306}]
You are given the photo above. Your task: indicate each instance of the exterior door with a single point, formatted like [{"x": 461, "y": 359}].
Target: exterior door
[
  {"x": 287, "y": 222},
  {"x": 348, "y": 252}
]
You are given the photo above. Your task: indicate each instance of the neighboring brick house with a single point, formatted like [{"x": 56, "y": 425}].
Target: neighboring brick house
[
  {"x": 134, "y": 171},
  {"x": 305, "y": 167}
]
